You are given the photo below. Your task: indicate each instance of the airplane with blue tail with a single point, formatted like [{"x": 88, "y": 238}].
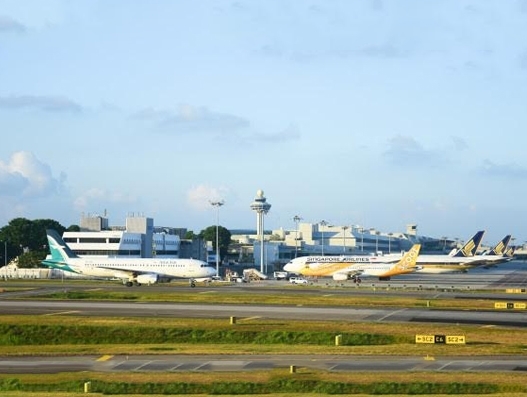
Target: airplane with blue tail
[{"x": 132, "y": 271}]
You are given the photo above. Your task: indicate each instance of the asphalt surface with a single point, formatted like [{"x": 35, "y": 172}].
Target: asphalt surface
[
  {"x": 198, "y": 310},
  {"x": 513, "y": 275},
  {"x": 236, "y": 363}
]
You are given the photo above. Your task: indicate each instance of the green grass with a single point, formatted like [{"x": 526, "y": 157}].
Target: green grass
[
  {"x": 68, "y": 334},
  {"x": 277, "y": 381},
  {"x": 73, "y": 335},
  {"x": 280, "y": 297}
]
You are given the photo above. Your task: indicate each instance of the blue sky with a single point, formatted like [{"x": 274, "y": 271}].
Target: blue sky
[{"x": 372, "y": 112}]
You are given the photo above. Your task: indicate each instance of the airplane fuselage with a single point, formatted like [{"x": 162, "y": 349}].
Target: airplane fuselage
[{"x": 120, "y": 267}]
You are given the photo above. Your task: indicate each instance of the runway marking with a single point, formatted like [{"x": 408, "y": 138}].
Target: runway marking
[
  {"x": 60, "y": 313},
  {"x": 106, "y": 357},
  {"x": 250, "y": 318},
  {"x": 208, "y": 292},
  {"x": 391, "y": 314}
]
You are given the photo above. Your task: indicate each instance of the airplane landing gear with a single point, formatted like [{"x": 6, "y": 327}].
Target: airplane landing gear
[
  {"x": 132, "y": 283},
  {"x": 192, "y": 283}
]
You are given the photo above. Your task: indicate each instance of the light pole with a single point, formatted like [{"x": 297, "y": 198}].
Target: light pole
[
  {"x": 217, "y": 204},
  {"x": 444, "y": 242},
  {"x": 296, "y": 219},
  {"x": 344, "y": 228},
  {"x": 376, "y": 241},
  {"x": 390, "y": 242},
  {"x": 323, "y": 224},
  {"x": 361, "y": 239}
]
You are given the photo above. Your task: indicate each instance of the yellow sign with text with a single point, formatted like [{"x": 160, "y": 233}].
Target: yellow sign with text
[
  {"x": 441, "y": 339},
  {"x": 455, "y": 339},
  {"x": 510, "y": 305},
  {"x": 424, "y": 339}
]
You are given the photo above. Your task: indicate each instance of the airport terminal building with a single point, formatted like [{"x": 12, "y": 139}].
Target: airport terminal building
[{"x": 139, "y": 237}]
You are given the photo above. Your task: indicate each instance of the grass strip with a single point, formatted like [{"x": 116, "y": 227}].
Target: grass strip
[
  {"x": 314, "y": 299},
  {"x": 277, "y": 382}
]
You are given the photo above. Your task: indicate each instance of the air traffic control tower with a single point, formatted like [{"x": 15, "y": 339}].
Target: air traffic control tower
[{"x": 261, "y": 207}]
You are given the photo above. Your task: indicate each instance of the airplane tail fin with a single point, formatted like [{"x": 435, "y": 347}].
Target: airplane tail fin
[
  {"x": 509, "y": 253},
  {"x": 59, "y": 250},
  {"x": 408, "y": 261},
  {"x": 501, "y": 248},
  {"x": 471, "y": 246}
]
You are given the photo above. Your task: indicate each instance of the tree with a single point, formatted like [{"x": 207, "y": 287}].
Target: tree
[
  {"x": 26, "y": 237},
  {"x": 224, "y": 238}
]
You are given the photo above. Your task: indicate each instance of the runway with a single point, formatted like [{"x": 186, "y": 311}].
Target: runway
[
  {"x": 238, "y": 363},
  {"x": 199, "y": 310},
  {"x": 493, "y": 283},
  {"x": 510, "y": 276}
]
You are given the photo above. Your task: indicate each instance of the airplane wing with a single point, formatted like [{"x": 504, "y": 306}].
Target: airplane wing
[{"x": 142, "y": 276}]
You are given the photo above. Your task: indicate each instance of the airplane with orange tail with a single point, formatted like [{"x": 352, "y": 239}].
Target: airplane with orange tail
[{"x": 364, "y": 267}]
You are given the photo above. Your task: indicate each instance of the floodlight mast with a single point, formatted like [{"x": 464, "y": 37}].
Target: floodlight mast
[
  {"x": 296, "y": 219},
  {"x": 217, "y": 204},
  {"x": 323, "y": 223}
]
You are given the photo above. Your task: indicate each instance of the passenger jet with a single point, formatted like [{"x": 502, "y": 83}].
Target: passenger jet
[
  {"x": 346, "y": 268},
  {"x": 132, "y": 271}
]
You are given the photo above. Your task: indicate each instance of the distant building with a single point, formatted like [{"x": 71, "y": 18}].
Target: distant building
[
  {"x": 138, "y": 238},
  {"x": 316, "y": 239}
]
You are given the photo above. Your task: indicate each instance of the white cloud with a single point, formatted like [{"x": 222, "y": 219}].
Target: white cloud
[
  {"x": 25, "y": 176},
  {"x": 189, "y": 118},
  {"x": 407, "y": 151},
  {"x": 8, "y": 24},
  {"x": 503, "y": 171},
  {"x": 97, "y": 198},
  {"x": 43, "y": 103},
  {"x": 199, "y": 197}
]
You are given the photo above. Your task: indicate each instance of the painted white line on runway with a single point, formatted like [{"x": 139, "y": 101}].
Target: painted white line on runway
[
  {"x": 391, "y": 314},
  {"x": 61, "y": 313},
  {"x": 250, "y": 318}
]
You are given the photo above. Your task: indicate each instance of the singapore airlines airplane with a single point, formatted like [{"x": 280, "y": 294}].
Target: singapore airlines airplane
[
  {"x": 456, "y": 261},
  {"x": 133, "y": 271},
  {"x": 436, "y": 264},
  {"x": 349, "y": 267},
  {"x": 498, "y": 254}
]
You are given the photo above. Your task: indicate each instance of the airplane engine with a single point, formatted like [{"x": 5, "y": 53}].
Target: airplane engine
[
  {"x": 340, "y": 277},
  {"x": 147, "y": 279}
]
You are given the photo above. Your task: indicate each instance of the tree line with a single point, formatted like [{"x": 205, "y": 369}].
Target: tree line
[{"x": 26, "y": 239}]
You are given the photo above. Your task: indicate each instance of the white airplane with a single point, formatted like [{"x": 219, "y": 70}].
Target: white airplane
[
  {"x": 465, "y": 258},
  {"x": 458, "y": 260},
  {"x": 349, "y": 267},
  {"x": 498, "y": 254},
  {"x": 133, "y": 271}
]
